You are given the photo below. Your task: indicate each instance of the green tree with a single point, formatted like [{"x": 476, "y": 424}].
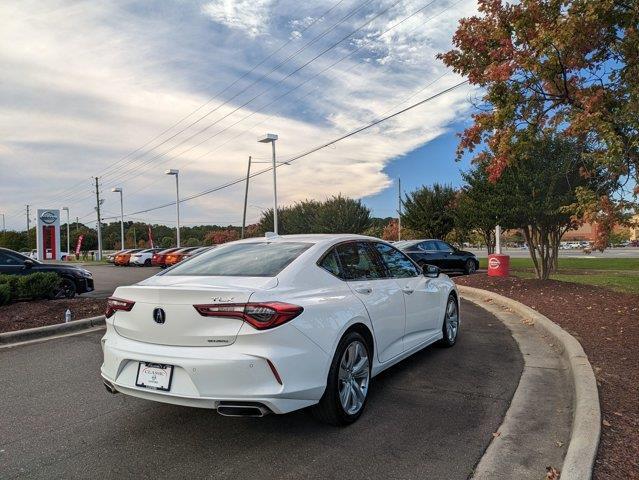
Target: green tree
[
  {"x": 567, "y": 65},
  {"x": 343, "y": 215},
  {"x": 481, "y": 205},
  {"x": 540, "y": 194},
  {"x": 429, "y": 211},
  {"x": 336, "y": 215}
]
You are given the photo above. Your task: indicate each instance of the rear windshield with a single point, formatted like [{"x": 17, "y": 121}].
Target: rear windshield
[{"x": 242, "y": 260}]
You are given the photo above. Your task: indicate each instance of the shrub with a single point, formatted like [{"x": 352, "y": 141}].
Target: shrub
[
  {"x": 38, "y": 285},
  {"x": 11, "y": 284},
  {"x": 5, "y": 294}
]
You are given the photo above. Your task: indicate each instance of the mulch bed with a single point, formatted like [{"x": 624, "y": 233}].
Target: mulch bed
[
  {"x": 607, "y": 325},
  {"x": 20, "y": 315}
]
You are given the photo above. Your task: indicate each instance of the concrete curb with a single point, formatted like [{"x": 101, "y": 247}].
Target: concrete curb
[
  {"x": 28, "y": 334},
  {"x": 586, "y": 422}
]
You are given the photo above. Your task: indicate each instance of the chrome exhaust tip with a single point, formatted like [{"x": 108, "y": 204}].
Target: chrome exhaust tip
[
  {"x": 254, "y": 410},
  {"x": 109, "y": 387}
]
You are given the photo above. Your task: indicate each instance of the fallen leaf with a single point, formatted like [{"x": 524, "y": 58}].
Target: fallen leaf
[
  {"x": 496, "y": 434},
  {"x": 559, "y": 444},
  {"x": 606, "y": 423},
  {"x": 552, "y": 473},
  {"x": 618, "y": 414}
]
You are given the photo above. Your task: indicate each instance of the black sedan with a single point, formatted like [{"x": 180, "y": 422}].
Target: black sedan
[
  {"x": 74, "y": 279},
  {"x": 439, "y": 253}
]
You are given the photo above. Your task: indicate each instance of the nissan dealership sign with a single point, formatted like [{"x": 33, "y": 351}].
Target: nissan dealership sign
[{"x": 49, "y": 217}]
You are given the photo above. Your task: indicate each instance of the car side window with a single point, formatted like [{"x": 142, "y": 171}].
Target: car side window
[
  {"x": 443, "y": 246},
  {"x": 6, "y": 259},
  {"x": 398, "y": 264},
  {"x": 358, "y": 262},
  {"x": 427, "y": 246},
  {"x": 330, "y": 263}
]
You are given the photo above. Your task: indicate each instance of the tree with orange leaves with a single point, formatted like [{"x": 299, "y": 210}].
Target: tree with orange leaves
[{"x": 567, "y": 66}]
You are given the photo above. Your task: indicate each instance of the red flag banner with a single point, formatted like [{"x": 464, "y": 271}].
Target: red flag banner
[{"x": 79, "y": 245}]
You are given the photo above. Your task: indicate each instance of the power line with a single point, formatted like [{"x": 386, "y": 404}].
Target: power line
[
  {"x": 323, "y": 52},
  {"x": 313, "y": 150},
  {"x": 129, "y": 175},
  {"x": 69, "y": 190},
  {"x": 283, "y": 62}
]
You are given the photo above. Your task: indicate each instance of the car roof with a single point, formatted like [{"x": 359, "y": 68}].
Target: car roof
[{"x": 308, "y": 238}]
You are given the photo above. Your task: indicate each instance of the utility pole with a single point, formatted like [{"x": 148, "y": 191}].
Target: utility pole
[
  {"x": 97, "y": 209},
  {"x": 248, "y": 175},
  {"x": 135, "y": 238},
  {"x": 28, "y": 227},
  {"x": 77, "y": 224},
  {"x": 399, "y": 208},
  {"x": 4, "y": 227}
]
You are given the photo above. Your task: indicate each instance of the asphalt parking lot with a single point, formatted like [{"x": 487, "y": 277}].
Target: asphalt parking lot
[
  {"x": 108, "y": 277},
  {"x": 431, "y": 416}
]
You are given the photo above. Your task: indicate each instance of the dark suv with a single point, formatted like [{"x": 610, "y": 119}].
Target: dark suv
[{"x": 74, "y": 279}]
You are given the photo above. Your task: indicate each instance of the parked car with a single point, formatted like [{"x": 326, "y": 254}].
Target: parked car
[
  {"x": 143, "y": 257},
  {"x": 157, "y": 259},
  {"x": 280, "y": 324},
  {"x": 123, "y": 257},
  {"x": 441, "y": 254},
  {"x": 178, "y": 255},
  {"x": 111, "y": 256},
  {"x": 74, "y": 278},
  {"x": 33, "y": 254}
]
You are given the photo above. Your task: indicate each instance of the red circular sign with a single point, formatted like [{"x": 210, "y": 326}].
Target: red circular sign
[{"x": 494, "y": 262}]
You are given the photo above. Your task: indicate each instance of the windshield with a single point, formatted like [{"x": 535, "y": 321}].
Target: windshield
[{"x": 242, "y": 260}]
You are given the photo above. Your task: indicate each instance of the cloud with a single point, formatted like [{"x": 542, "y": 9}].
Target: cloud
[
  {"x": 86, "y": 87},
  {"x": 249, "y": 15}
]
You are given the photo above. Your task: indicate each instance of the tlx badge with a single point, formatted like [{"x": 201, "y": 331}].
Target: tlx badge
[{"x": 222, "y": 299}]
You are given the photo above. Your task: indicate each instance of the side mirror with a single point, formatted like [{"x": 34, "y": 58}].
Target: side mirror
[
  {"x": 28, "y": 263},
  {"x": 431, "y": 271}
]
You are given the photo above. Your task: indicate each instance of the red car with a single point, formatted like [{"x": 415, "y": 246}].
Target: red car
[
  {"x": 159, "y": 258},
  {"x": 178, "y": 255}
]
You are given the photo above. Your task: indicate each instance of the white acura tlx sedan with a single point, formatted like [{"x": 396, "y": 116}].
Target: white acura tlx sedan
[{"x": 276, "y": 324}]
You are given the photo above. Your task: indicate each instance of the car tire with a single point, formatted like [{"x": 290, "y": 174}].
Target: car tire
[
  {"x": 147, "y": 262},
  {"x": 470, "y": 267},
  {"x": 450, "y": 325},
  {"x": 345, "y": 386},
  {"x": 67, "y": 289}
]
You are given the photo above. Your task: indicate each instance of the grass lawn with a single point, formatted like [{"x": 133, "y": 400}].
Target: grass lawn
[{"x": 620, "y": 274}]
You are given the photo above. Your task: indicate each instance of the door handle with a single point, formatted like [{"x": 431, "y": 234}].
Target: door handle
[
  {"x": 364, "y": 290},
  {"x": 407, "y": 290}
]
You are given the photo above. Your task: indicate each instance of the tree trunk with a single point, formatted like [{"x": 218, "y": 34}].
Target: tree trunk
[
  {"x": 542, "y": 251},
  {"x": 489, "y": 239}
]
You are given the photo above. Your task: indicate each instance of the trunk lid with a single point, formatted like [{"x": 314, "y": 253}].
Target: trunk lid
[{"x": 182, "y": 325}]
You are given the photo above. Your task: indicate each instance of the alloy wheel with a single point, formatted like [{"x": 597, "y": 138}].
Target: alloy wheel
[
  {"x": 452, "y": 320},
  {"x": 353, "y": 377},
  {"x": 470, "y": 267}
]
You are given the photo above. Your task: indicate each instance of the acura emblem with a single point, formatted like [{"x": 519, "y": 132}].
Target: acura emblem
[{"x": 159, "y": 316}]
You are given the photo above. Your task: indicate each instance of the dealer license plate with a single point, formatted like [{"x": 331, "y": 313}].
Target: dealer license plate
[{"x": 155, "y": 376}]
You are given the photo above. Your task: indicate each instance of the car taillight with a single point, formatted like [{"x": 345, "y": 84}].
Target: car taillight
[
  {"x": 259, "y": 315},
  {"x": 115, "y": 304}
]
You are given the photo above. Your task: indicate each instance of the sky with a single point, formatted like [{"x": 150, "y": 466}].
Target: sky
[{"x": 125, "y": 90}]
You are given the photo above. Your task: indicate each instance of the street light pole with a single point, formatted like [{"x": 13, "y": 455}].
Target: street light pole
[
  {"x": 68, "y": 240},
  {"x": 119, "y": 190},
  {"x": 271, "y": 138},
  {"x": 98, "y": 202},
  {"x": 4, "y": 228},
  {"x": 175, "y": 172}
]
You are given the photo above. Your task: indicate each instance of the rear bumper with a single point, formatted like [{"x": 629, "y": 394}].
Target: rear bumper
[{"x": 205, "y": 376}]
